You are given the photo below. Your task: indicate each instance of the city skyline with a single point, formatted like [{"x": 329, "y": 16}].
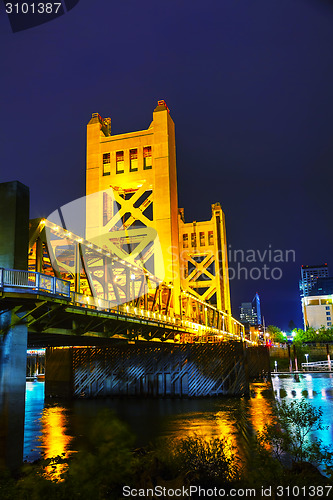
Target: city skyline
[{"x": 249, "y": 89}]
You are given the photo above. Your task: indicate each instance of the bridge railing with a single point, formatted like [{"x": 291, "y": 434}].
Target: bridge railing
[
  {"x": 317, "y": 365},
  {"x": 194, "y": 330},
  {"x": 33, "y": 281}
]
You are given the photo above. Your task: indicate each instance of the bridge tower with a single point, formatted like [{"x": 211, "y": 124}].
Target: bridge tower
[
  {"x": 139, "y": 169},
  {"x": 203, "y": 260}
]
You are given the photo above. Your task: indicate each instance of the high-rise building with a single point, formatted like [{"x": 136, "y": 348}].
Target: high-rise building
[
  {"x": 256, "y": 309},
  {"x": 250, "y": 312},
  {"x": 246, "y": 313},
  {"x": 136, "y": 174},
  {"x": 309, "y": 277}
]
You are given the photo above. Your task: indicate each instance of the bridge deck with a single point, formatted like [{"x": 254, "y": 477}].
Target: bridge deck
[{"x": 50, "y": 308}]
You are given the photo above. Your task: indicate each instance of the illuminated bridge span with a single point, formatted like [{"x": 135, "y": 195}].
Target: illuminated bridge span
[{"x": 82, "y": 289}]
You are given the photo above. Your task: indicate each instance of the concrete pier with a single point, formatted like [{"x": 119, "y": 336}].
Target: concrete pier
[
  {"x": 153, "y": 369},
  {"x": 14, "y": 237}
]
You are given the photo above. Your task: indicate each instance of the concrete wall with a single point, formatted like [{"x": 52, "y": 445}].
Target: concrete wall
[
  {"x": 280, "y": 355},
  {"x": 58, "y": 372},
  {"x": 258, "y": 361}
]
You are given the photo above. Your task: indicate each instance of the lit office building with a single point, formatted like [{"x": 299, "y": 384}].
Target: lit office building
[
  {"x": 250, "y": 312},
  {"x": 309, "y": 277}
]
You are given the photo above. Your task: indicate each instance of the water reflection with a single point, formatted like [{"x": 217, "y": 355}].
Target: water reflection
[
  {"x": 60, "y": 428},
  {"x": 260, "y": 407},
  {"x": 54, "y": 440},
  {"x": 34, "y": 405},
  {"x": 46, "y": 431},
  {"x": 316, "y": 387}
]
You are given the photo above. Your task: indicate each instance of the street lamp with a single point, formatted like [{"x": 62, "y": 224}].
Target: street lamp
[{"x": 307, "y": 358}]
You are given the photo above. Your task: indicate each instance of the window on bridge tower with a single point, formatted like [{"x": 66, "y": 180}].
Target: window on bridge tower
[
  {"x": 147, "y": 158},
  {"x": 193, "y": 239},
  {"x": 106, "y": 164},
  {"x": 185, "y": 240},
  {"x": 202, "y": 239},
  {"x": 120, "y": 163},
  {"x": 210, "y": 238},
  {"x": 133, "y": 160}
]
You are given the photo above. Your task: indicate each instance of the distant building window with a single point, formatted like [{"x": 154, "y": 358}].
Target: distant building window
[
  {"x": 210, "y": 238},
  {"x": 328, "y": 313},
  {"x": 328, "y": 318},
  {"x": 327, "y": 308},
  {"x": 147, "y": 158},
  {"x": 120, "y": 164},
  {"x": 193, "y": 240},
  {"x": 106, "y": 164},
  {"x": 329, "y": 324},
  {"x": 133, "y": 160},
  {"x": 185, "y": 240},
  {"x": 202, "y": 239}
]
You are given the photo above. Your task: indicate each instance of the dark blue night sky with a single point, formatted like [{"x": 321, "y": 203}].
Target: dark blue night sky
[{"x": 249, "y": 85}]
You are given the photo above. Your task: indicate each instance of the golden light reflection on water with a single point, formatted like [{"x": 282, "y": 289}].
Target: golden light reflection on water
[
  {"x": 230, "y": 420},
  {"x": 222, "y": 424},
  {"x": 219, "y": 426},
  {"x": 260, "y": 409},
  {"x": 227, "y": 430},
  {"x": 54, "y": 440}
]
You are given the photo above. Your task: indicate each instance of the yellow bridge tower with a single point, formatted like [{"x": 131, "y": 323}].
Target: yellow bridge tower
[{"x": 136, "y": 175}]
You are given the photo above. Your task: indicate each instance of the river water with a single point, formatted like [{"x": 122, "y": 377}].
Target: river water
[{"x": 55, "y": 427}]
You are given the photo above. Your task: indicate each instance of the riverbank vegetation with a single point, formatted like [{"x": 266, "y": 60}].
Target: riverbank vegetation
[
  {"x": 318, "y": 336},
  {"x": 321, "y": 335},
  {"x": 282, "y": 454}
]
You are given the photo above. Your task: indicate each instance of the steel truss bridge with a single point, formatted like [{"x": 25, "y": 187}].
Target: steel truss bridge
[{"x": 75, "y": 288}]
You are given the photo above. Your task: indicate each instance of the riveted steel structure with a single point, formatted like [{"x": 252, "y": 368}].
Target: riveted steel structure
[
  {"x": 203, "y": 260},
  {"x": 78, "y": 287}
]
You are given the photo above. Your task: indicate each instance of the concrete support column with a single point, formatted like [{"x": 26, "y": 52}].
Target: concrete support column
[
  {"x": 14, "y": 238},
  {"x": 13, "y": 361}
]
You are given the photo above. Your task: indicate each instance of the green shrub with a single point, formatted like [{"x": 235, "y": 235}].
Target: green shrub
[{"x": 205, "y": 460}]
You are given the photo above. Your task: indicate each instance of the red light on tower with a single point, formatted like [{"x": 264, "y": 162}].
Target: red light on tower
[{"x": 163, "y": 103}]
